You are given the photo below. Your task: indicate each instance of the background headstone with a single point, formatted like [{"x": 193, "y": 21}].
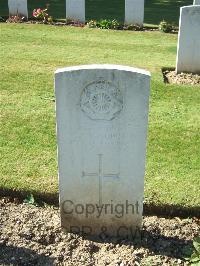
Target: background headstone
[
  {"x": 75, "y": 10},
  {"x": 196, "y": 2},
  {"x": 18, "y": 7},
  {"x": 188, "y": 52},
  {"x": 102, "y": 117},
  {"x": 134, "y": 12}
]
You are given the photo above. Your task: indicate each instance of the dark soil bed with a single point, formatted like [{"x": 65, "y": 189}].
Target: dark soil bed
[
  {"x": 170, "y": 76},
  {"x": 79, "y": 24},
  {"x": 31, "y": 235}
]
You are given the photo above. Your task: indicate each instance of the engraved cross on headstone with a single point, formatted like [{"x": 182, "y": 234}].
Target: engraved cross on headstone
[{"x": 100, "y": 175}]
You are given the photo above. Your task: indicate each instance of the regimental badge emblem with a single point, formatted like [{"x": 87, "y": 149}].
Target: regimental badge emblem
[{"x": 101, "y": 100}]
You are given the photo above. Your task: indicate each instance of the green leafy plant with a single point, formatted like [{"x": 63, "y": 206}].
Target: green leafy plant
[
  {"x": 195, "y": 256},
  {"x": 115, "y": 25},
  {"x": 108, "y": 24},
  {"x": 165, "y": 27},
  {"x": 30, "y": 200},
  {"x": 104, "y": 24}
]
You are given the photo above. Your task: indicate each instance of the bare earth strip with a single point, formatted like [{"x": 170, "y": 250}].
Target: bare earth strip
[{"x": 31, "y": 235}]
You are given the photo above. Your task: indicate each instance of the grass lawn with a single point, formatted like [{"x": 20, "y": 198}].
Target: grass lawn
[
  {"x": 29, "y": 56},
  {"x": 155, "y": 10}
]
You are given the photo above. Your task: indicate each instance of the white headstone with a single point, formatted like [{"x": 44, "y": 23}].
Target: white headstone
[
  {"x": 18, "y": 7},
  {"x": 75, "y": 10},
  {"x": 134, "y": 12},
  {"x": 196, "y": 2},
  {"x": 188, "y": 53},
  {"x": 102, "y": 117}
]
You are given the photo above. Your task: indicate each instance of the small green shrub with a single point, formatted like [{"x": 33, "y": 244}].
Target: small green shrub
[
  {"x": 104, "y": 24},
  {"x": 115, "y": 25},
  {"x": 108, "y": 24},
  {"x": 30, "y": 200},
  {"x": 195, "y": 256},
  {"x": 165, "y": 27}
]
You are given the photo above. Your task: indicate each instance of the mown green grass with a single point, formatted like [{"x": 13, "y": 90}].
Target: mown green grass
[
  {"x": 29, "y": 56},
  {"x": 155, "y": 10}
]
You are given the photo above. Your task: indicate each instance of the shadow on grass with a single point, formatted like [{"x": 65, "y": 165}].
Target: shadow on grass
[
  {"x": 12, "y": 255},
  {"x": 164, "y": 210}
]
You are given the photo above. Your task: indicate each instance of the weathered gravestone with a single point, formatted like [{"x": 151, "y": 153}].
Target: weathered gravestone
[
  {"x": 196, "y": 2},
  {"x": 134, "y": 12},
  {"x": 75, "y": 10},
  {"x": 18, "y": 7},
  {"x": 102, "y": 114},
  {"x": 188, "y": 52}
]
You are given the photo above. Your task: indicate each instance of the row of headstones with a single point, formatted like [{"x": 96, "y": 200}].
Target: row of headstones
[
  {"x": 134, "y": 11},
  {"x": 75, "y": 10}
]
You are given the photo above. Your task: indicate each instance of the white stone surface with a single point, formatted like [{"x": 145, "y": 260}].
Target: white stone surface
[
  {"x": 18, "y": 7},
  {"x": 134, "y": 12},
  {"x": 102, "y": 117},
  {"x": 75, "y": 10},
  {"x": 196, "y": 2},
  {"x": 188, "y": 52}
]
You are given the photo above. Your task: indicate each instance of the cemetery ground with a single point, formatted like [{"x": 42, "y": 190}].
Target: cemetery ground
[
  {"x": 29, "y": 56},
  {"x": 32, "y": 236}
]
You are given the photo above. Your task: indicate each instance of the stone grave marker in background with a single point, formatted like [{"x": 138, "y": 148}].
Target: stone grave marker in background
[
  {"x": 134, "y": 12},
  {"x": 196, "y": 2},
  {"x": 75, "y": 10},
  {"x": 188, "y": 52},
  {"x": 18, "y": 7},
  {"x": 102, "y": 117}
]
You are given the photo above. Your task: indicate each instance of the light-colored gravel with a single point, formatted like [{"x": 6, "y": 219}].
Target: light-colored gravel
[{"x": 182, "y": 78}]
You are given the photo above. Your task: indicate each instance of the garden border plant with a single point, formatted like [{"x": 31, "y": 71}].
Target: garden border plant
[
  {"x": 93, "y": 24},
  {"x": 40, "y": 16}
]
